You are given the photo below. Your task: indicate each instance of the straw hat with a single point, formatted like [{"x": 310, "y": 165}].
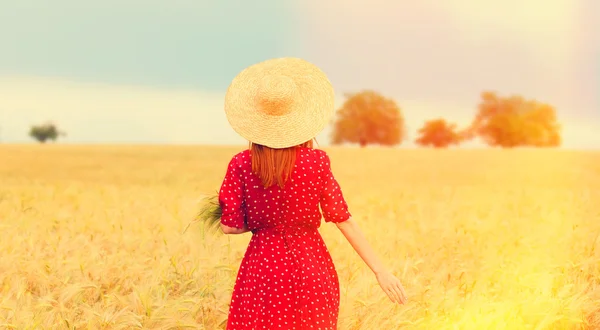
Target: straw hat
[{"x": 280, "y": 102}]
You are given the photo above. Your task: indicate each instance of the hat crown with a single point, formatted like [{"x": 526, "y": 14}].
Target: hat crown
[
  {"x": 280, "y": 103},
  {"x": 275, "y": 94}
]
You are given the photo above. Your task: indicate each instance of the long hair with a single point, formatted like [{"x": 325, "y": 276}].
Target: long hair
[{"x": 274, "y": 166}]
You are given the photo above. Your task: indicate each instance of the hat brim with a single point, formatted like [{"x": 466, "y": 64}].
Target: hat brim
[{"x": 308, "y": 115}]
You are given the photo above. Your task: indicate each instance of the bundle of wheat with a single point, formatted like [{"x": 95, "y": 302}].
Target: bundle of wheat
[{"x": 209, "y": 213}]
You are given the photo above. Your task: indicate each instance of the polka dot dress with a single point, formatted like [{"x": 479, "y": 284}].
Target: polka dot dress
[{"x": 287, "y": 279}]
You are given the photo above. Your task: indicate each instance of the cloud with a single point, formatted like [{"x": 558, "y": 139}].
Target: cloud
[{"x": 109, "y": 113}]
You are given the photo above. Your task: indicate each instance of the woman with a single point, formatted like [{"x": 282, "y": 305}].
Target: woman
[{"x": 287, "y": 279}]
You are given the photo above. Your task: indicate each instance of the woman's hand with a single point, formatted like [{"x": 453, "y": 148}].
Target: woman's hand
[
  {"x": 392, "y": 287},
  {"x": 233, "y": 230},
  {"x": 388, "y": 282}
]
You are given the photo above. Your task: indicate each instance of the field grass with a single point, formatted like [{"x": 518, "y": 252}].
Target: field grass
[{"x": 481, "y": 239}]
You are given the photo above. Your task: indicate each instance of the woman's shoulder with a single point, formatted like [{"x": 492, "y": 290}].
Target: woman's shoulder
[
  {"x": 314, "y": 152},
  {"x": 240, "y": 158},
  {"x": 316, "y": 156},
  {"x": 244, "y": 154}
]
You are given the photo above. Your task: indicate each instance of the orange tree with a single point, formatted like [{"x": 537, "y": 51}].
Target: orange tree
[
  {"x": 438, "y": 133},
  {"x": 514, "y": 121},
  {"x": 369, "y": 118}
]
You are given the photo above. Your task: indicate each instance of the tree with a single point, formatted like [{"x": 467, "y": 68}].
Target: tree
[
  {"x": 438, "y": 133},
  {"x": 45, "y": 132},
  {"x": 514, "y": 121},
  {"x": 369, "y": 118}
]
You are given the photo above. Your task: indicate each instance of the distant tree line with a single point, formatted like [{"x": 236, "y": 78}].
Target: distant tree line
[{"x": 370, "y": 118}]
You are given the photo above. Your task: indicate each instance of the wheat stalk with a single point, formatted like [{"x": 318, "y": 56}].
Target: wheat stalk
[{"x": 209, "y": 213}]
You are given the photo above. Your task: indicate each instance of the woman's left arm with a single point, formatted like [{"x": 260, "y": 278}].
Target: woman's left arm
[
  {"x": 233, "y": 230},
  {"x": 231, "y": 200}
]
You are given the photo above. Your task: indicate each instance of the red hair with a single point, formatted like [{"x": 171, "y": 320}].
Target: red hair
[{"x": 274, "y": 166}]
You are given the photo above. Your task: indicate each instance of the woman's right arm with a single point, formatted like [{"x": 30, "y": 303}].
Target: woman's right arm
[
  {"x": 388, "y": 282},
  {"x": 335, "y": 209}
]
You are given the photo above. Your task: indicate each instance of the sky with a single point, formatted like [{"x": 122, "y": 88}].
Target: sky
[{"x": 133, "y": 71}]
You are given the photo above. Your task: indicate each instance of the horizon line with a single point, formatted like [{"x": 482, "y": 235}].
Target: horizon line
[{"x": 342, "y": 146}]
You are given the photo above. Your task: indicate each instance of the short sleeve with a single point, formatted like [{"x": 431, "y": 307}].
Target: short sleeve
[
  {"x": 333, "y": 204},
  {"x": 231, "y": 197}
]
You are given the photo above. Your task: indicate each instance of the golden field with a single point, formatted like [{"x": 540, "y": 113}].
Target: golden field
[{"x": 92, "y": 238}]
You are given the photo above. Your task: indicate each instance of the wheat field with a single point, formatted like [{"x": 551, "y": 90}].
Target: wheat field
[{"x": 92, "y": 238}]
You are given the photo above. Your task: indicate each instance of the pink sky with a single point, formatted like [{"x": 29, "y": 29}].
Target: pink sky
[{"x": 449, "y": 51}]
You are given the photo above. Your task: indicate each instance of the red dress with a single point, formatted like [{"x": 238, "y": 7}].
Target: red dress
[{"x": 287, "y": 279}]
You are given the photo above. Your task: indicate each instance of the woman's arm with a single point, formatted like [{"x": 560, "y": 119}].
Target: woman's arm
[
  {"x": 233, "y": 230},
  {"x": 355, "y": 237},
  {"x": 388, "y": 282}
]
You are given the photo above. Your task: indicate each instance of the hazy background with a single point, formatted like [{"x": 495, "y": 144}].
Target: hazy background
[{"x": 133, "y": 71}]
